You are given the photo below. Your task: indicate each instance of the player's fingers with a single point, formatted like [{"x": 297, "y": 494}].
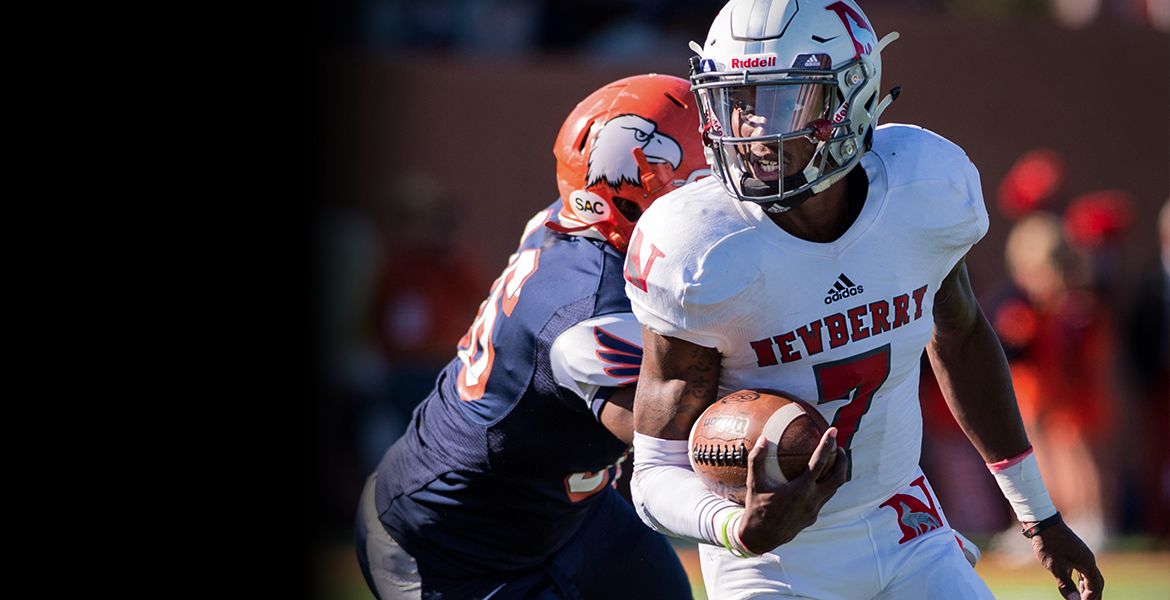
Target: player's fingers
[
  {"x": 818, "y": 463},
  {"x": 758, "y": 463},
  {"x": 1064, "y": 582},
  {"x": 827, "y": 486},
  {"x": 1092, "y": 582},
  {"x": 840, "y": 471}
]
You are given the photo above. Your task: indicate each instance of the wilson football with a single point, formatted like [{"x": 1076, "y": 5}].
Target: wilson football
[{"x": 725, "y": 433}]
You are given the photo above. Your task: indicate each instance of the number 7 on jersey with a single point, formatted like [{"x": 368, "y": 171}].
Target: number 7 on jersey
[{"x": 858, "y": 376}]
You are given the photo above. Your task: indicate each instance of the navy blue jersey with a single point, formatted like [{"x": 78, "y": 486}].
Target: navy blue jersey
[{"x": 501, "y": 462}]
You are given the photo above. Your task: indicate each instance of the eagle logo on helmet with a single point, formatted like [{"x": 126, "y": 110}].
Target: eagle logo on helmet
[{"x": 612, "y": 159}]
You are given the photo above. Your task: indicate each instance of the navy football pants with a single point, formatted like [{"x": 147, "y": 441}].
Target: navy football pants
[{"x": 613, "y": 555}]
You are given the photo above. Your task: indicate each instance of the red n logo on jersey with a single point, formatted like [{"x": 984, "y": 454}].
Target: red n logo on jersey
[
  {"x": 914, "y": 516},
  {"x": 636, "y": 273}
]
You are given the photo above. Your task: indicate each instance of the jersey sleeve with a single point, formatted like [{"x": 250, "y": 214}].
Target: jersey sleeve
[
  {"x": 939, "y": 194},
  {"x": 976, "y": 221},
  {"x": 687, "y": 279},
  {"x": 963, "y": 219},
  {"x": 597, "y": 356}
]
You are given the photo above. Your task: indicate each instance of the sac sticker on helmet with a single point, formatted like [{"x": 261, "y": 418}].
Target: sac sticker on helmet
[{"x": 588, "y": 207}]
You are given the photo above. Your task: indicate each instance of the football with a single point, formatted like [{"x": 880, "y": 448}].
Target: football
[{"x": 725, "y": 433}]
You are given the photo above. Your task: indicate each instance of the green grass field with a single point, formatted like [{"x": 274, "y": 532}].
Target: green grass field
[
  {"x": 1136, "y": 575},
  {"x": 1128, "y": 576}
]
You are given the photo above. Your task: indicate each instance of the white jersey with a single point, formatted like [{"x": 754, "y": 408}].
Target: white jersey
[{"x": 842, "y": 324}]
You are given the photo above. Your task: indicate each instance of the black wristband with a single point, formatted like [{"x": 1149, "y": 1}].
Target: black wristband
[{"x": 1030, "y": 532}]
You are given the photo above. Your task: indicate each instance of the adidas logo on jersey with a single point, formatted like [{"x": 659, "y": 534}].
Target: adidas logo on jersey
[{"x": 842, "y": 288}]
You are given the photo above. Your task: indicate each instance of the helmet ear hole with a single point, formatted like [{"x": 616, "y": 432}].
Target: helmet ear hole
[
  {"x": 583, "y": 136},
  {"x": 630, "y": 210},
  {"x": 676, "y": 101}
]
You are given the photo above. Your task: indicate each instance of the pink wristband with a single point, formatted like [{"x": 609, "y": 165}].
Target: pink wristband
[{"x": 1007, "y": 463}]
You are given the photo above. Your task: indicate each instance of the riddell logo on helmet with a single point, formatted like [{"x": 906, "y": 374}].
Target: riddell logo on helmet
[
  {"x": 757, "y": 61},
  {"x": 841, "y": 112}
]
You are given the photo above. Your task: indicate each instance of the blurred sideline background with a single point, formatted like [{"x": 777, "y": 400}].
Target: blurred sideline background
[{"x": 439, "y": 120}]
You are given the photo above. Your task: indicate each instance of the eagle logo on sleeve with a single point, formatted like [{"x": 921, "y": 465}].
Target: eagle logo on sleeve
[{"x": 623, "y": 358}]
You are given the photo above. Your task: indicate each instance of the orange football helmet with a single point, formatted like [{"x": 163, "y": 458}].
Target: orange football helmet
[{"x": 621, "y": 148}]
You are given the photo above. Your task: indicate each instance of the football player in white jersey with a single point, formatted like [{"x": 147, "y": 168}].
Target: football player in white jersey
[{"x": 822, "y": 260}]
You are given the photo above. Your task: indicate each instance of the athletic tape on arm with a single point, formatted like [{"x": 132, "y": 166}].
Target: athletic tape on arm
[
  {"x": 671, "y": 498},
  {"x": 1019, "y": 479}
]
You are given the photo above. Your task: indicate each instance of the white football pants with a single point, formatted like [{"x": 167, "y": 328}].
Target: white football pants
[{"x": 902, "y": 549}]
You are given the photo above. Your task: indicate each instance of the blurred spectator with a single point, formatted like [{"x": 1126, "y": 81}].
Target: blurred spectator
[
  {"x": 1076, "y": 13},
  {"x": 397, "y": 295},
  {"x": 427, "y": 290},
  {"x": 1095, "y": 225},
  {"x": 1158, "y": 14},
  {"x": 1098, "y": 218},
  {"x": 1148, "y": 354},
  {"x": 1059, "y": 338},
  {"x": 1031, "y": 183},
  {"x": 425, "y": 294}
]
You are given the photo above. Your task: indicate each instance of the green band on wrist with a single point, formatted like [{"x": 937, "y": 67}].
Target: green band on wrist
[
  {"x": 726, "y": 539},
  {"x": 723, "y": 537}
]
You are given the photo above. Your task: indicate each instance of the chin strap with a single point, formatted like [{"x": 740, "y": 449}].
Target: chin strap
[
  {"x": 618, "y": 240},
  {"x": 651, "y": 182},
  {"x": 825, "y": 183},
  {"x": 557, "y": 227},
  {"x": 754, "y": 187}
]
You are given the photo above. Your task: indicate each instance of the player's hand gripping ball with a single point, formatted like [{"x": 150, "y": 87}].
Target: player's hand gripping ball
[{"x": 725, "y": 433}]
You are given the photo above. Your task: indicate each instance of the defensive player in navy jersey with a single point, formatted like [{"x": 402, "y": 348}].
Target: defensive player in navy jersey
[{"x": 501, "y": 486}]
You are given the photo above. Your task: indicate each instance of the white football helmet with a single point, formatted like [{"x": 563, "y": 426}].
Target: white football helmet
[{"x": 777, "y": 70}]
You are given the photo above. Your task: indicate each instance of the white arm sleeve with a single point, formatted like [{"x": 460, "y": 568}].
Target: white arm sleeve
[
  {"x": 670, "y": 498},
  {"x": 596, "y": 356}
]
